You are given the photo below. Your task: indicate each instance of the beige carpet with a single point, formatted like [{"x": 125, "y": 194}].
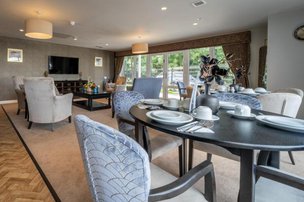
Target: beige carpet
[{"x": 58, "y": 155}]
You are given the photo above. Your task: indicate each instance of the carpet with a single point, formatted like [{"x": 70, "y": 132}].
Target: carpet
[{"x": 59, "y": 157}]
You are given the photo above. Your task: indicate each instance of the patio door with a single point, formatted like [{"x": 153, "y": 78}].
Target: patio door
[{"x": 157, "y": 69}]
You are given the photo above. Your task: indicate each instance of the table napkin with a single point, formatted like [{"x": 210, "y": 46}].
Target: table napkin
[{"x": 204, "y": 130}]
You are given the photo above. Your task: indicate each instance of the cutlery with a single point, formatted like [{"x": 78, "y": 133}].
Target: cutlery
[{"x": 187, "y": 126}]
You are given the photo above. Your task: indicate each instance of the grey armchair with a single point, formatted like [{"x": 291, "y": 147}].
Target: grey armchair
[
  {"x": 148, "y": 87},
  {"x": 182, "y": 90},
  {"x": 118, "y": 169},
  {"x": 18, "y": 81},
  {"x": 43, "y": 104}
]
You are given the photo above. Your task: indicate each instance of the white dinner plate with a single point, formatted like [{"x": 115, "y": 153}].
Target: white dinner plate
[
  {"x": 165, "y": 105},
  {"x": 232, "y": 113},
  {"x": 283, "y": 123},
  {"x": 166, "y": 114},
  {"x": 214, "y": 118},
  {"x": 263, "y": 92},
  {"x": 152, "y": 101},
  {"x": 185, "y": 118},
  {"x": 227, "y": 105}
]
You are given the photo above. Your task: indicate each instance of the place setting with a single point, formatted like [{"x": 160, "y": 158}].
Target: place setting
[{"x": 242, "y": 112}]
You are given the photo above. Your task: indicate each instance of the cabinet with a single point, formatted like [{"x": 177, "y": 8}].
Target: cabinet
[{"x": 69, "y": 86}]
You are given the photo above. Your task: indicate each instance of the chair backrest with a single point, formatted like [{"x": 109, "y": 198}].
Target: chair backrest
[
  {"x": 252, "y": 102},
  {"x": 117, "y": 168},
  {"x": 40, "y": 93},
  {"x": 148, "y": 87},
  {"x": 18, "y": 80},
  {"x": 281, "y": 103},
  {"x": 123, "y": 101},
  {"x": 296, "y": 91},
  {"x": 181, "y": 88}
]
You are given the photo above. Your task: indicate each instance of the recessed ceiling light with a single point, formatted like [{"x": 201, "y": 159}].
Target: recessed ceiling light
[
  {"x": 107, "y": 44},
  {"x": 164, "y": 8},
  {"x": 75, "y": 38},
  {"x": 21, "y": 30},
  {"x": 195, "y": 23},
  {"x": 72, "y": 23}
]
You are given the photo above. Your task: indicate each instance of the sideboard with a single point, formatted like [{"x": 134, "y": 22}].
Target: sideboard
[{"x": 69, "y": 86}]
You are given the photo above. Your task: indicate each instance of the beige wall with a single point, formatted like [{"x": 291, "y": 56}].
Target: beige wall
[
  {"x": 258, "y": 37},
  {"x": 35, "y": 60},
  {"x": 285, "y": 66}
]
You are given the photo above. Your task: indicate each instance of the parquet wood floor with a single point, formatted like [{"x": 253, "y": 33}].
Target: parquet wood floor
[{"x": 19, "y": 178}]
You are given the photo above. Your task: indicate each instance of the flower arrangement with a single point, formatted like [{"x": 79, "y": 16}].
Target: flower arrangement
[
  {"x": 89, "y": 86},
  {"x": 210, "y": 69}
]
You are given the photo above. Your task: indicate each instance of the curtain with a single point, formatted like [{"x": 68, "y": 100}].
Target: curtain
[
  {"x": 118, "y": 67},
  {"x": 241, "y": 57},
  {"x": 262, "y": 66}
]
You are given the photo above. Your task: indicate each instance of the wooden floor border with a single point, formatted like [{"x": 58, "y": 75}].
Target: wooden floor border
[{"x": 45, "y": 179}]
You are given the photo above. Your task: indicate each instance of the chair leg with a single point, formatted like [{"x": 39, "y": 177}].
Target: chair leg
[
  {"x": 190, "y": 157},
  {"x": 18, "y": 111},
  {"x": 70, "y": 119},
  {"x": 113, "y": 112},
  {"x": 291, "y": 158},
  {"x": 30, "y": 125},
  {"x": 52, "y": 127},
  {"x": 180, "y": 160},
  {"x": 209, "y": 156}
]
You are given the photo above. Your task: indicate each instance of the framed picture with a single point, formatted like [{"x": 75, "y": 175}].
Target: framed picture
[
  {"x": 14, "y": 55},
  {"x": 98, "y": 61}
]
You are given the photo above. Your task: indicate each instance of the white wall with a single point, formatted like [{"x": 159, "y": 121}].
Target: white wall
[
  {"x": 285, "y": 57},
  {"x": 258, "y": 37}
]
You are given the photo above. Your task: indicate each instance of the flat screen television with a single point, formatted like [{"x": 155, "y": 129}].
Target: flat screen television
[{"x": 62, "y": 65}]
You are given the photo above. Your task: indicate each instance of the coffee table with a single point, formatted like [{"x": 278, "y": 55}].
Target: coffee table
[{"x": 89, "y": 104}]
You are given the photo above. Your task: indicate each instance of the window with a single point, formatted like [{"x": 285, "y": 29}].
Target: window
[{"x": 134, "y": 67}]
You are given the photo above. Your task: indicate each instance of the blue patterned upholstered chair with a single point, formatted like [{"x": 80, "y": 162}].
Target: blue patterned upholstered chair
[
  {"x": 118, "y": 169},
  {"x": 148, "y": 87},
  {"x": 252, "y": 102},
  {"x": 160, "y": 143},
  {"x": 210, "y": 149}
]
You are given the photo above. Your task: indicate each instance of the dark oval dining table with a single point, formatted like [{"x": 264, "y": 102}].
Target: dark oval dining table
[{"x": 241, "y": 137}]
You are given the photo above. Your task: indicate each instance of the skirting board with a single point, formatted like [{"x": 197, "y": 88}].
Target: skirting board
[{"x": 3, "y": 102}]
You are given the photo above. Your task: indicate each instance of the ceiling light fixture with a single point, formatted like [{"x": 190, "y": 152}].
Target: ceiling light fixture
[
  {"x": 38, "y": 29},
  {"x": 139, "y": 48},
  {"x": 72, "y": 23},
  {"x": 164, "y": 8},
  {"x": 107, "y": 44},
  {"x": 194, "y": 24},
  {"x": 21, "y": 30},
  {"x": 75, "y": 38}
]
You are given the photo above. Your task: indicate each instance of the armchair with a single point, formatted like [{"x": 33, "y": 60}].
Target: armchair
[
  {"x": 182, "y": 90},
  {"x": 118, "y": 169},
  {"x": 43, "y": 104},
  {"x": 148, "y": 87},
  {"x": 18, "y": 81}
]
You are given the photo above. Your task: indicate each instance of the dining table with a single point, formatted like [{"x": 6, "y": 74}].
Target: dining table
[{"x": 241, "y": 137}]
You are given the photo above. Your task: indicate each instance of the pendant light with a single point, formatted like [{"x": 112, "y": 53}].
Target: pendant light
[
  {"x": 38, "y": 29},
  {"x": 139, "y": 48}
]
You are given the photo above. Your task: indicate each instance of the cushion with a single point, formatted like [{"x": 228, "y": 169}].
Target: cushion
[{"x": 160, "y": 177}]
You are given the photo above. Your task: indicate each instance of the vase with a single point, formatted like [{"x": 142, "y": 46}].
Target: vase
[
  {"x": 95, "y": 90},
  {"x": 208, "y": 100},
  {"x": 89, "y": 90}
]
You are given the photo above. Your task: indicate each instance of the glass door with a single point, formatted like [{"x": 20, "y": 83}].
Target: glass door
[
  {"x": 175, "y": 73},
  {"x": 157, "y": 69}
]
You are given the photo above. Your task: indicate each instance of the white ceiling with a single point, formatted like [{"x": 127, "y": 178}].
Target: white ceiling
[{"x": 120, "y": 22}]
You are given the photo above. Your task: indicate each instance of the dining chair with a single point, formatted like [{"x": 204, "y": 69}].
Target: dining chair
[
  {"x": 43, "y": 104},
  {"x": 148, "y": 87},
  {"x": 210, "y": 149},
  {"x": 285, "y": 103},
  {"x": 160, "y": 143},
  {"x": 18, "y": 82},
  {"x": 296, "y": 91},
  {"x": 274, "y": 185},
  {"x": 118, "y": 169},
  {"x": 182, "y": 90}
]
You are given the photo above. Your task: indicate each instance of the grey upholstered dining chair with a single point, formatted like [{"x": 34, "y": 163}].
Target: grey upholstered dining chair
[
  {"x": 43, "y": 104},
  {"x": 18, "y": 82},
  {"x": 182, "y": 90},
  {"x": 287, "y": 103},
  {"x": 160, "y": 143},
  {"x": 118, "y": 169},
  {"x": 210, "y": 149},
  {"x": 148, "y": 87}
]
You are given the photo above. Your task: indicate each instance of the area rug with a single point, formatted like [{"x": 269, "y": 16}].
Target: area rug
[{"x": 59, "y": 157}]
